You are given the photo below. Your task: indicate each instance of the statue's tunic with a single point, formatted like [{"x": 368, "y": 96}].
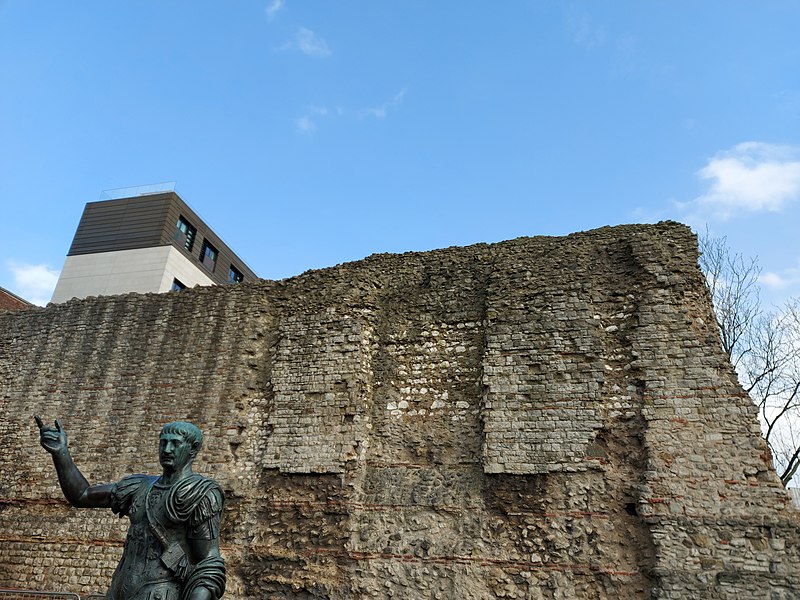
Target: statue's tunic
[{"x": 164, "y": 519}]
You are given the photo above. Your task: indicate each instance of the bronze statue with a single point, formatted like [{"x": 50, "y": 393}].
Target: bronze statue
[{"x": 172, "y": 547}]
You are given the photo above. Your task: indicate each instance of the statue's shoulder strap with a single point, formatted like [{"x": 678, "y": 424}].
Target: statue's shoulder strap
[{"x": 173, "y": 555}]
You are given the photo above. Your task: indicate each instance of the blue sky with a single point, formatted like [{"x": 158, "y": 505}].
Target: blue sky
[{"x": 317, "y": 132}]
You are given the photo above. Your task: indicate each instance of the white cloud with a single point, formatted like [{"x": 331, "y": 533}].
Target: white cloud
[
  {"x": 309, "y": 43},
  {"x": 780, "y": 281},
  {"x": 773, "y": 280},
  {"x": 273, "y": 9},
  {"x": 582, "y": 30},
  {"x": 380, "y": 112},
  {"x": 305, "y": 125},
  {"x": 650, "y": 214},
  {"x": 788, "y": 100},
  {"x": 35, "y": 283},
  {"x": 750, "y": 177}
]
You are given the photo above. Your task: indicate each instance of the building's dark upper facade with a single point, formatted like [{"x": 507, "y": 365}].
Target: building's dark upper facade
[{"x": 160, "y": 219}]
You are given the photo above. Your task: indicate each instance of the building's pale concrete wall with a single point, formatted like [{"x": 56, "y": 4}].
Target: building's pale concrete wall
[
  {"x": 181, "y": 268},
  {"x": 141, "y": 270}
]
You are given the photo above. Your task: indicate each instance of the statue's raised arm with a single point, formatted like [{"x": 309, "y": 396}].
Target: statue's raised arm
[{"x": 74, "y": 485}]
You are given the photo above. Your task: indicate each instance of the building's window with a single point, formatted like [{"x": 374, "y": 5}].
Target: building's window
[
  {"x": 177, "y": 286},
  {"x": 208, "y": 256},
  {"x": 235, "y": 275},
  {"x": 185, "y": 234}
]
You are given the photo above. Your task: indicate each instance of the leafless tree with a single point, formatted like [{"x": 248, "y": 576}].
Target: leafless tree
[{"x": 762, "y": 344}]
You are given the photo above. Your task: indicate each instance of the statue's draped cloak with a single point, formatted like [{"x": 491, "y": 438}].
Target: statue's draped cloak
[{"x": 194, "y": 505}]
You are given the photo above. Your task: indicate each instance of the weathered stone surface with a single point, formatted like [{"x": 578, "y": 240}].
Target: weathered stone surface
[{"x": 541, "y": 418}]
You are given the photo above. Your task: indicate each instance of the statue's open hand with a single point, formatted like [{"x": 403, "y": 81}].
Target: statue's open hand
[{"x": 52, "y": 439}]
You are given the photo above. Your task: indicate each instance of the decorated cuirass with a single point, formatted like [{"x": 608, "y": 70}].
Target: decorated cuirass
[
  {"x": 155, "y": 561},
  {"x": 141, "y": 574}
]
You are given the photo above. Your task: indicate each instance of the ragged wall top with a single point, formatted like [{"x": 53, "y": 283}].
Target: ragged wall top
[{"x": 539, "y": 418}]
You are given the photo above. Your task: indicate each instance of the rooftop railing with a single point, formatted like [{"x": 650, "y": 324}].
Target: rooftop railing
[{"x": 139, "y": 190}]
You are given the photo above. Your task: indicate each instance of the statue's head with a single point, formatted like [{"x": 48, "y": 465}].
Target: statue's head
[{"x": 178, "y": 445}]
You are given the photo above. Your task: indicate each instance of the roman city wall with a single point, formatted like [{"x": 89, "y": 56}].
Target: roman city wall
[{"x": 543, "y": 418}]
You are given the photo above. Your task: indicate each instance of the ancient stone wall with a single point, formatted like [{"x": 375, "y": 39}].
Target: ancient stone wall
[{"x": 545, "y": 418}]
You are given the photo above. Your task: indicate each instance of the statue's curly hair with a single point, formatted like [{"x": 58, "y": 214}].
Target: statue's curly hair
[{"x": 191, "y": 433}]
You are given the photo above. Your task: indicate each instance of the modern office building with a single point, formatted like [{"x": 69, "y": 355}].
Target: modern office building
[{"x": 145, "y": 242}]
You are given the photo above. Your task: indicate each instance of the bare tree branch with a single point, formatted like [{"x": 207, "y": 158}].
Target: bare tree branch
[{"x": 763, "y": 346}]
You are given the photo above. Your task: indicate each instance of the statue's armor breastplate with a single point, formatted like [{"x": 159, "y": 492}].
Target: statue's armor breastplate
[{"x": 141, "y": 574}]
